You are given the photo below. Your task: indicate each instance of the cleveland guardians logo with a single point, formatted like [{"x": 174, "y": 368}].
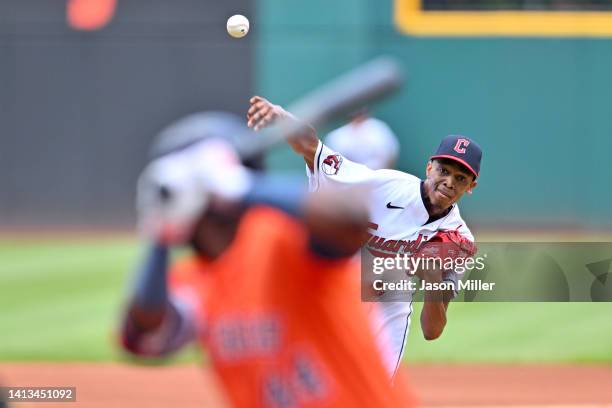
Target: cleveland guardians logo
[
  {"x": 461, "y": 145},
  {"x": 332, "y": 164}
]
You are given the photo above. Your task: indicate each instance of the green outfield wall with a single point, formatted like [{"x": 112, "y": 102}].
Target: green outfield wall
[{"x": 540, "y": 107}]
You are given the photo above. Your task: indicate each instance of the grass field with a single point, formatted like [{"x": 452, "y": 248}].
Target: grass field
[{"x": 59, "y": 301}]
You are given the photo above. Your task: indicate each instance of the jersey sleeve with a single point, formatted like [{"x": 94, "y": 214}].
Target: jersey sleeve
[{"x": 334, "y": 170}]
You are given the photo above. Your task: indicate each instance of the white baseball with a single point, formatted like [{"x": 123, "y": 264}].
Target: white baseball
[{"x": 237, "y": 26}]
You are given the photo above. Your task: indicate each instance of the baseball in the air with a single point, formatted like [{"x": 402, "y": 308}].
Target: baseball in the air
[{"x": 237, "y": 26}]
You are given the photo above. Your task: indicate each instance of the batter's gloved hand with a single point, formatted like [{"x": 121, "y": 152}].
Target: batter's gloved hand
[{"x": 175, "y": 190}]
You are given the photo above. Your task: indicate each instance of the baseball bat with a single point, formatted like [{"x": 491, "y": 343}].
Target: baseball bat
[{"x": 363, "y": 85}]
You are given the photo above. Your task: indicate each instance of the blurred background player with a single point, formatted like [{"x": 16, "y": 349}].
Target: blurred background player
[
  {"x": 407, "y": 215},
  {"x": 365, "y": 140},
  {"x": 269, "y": 289}
]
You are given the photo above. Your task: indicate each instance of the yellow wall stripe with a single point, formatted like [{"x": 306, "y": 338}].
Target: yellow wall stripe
[{"x": 411, "y": 19}]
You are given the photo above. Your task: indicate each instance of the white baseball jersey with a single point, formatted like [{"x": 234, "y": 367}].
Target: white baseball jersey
[
  {"x": 370, "y": 142},
  {"x": 393, "y": 230}
]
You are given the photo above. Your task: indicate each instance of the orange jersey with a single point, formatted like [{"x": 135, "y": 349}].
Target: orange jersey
[{"x": 285, "y": 328}]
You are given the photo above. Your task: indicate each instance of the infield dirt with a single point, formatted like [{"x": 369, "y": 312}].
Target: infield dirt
[{"x": 116, "y": 385}]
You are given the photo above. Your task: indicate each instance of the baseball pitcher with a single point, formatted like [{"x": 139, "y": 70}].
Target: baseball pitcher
[{"x": 406, "y": 213}]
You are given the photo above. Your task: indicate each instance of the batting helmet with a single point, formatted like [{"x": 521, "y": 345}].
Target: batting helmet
[
  {"x": 197, "y": 127},
  {"x": 171, "y": 194}
]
